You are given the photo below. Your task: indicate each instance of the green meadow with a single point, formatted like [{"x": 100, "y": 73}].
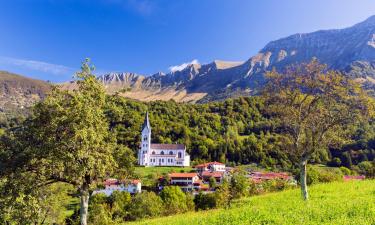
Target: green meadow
[{"x": 330, "y": 203}]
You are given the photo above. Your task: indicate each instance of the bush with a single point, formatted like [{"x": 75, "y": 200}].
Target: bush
[
  {"x": 367, "y": 168},
  {"x": 174, "y": 199},
  {"x": 239, "y": 185},
  {"x": 204, "y": 201},
  {"x": 145, "y": 205},
  {"x": 345, "y": 170},
  {"x": 323, "y": 175}
]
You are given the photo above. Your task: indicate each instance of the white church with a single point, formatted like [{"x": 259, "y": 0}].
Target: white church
[{"x": 151, "y": 154}]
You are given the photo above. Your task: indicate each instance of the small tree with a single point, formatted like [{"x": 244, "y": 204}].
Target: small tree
[
  {"x": 174, "y": 200},
  {"x": 239, "y": 185},
  {"x": 314, "y": 108},
  {"x": 145, "y": 205},
  {"x": 212, "y": 182},
  {"x": 66, "y": 140}
]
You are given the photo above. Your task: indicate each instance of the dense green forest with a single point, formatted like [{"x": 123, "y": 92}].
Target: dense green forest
[{"x": 235, "y": 131}]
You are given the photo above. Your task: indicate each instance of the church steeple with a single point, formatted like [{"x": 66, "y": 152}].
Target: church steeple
[{"x": 146, "y": 123}]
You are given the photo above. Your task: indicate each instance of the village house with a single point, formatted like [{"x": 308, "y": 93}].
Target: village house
[
  {"x": 111, "y": 185},
  {"x": 151, "y": 154},
  {"x": 211, "y": 167},
  {"x": 186, "y": 181},
  {"x": 217, "y": 175}
]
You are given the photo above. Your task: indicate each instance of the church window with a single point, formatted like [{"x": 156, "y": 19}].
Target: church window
[
  {"x": 162, "y": 153},
  {"x": 170, "y": 153},
  {"x": 145, "y": 138},
  {"x": 179, "y": 155},
  {"x": 153, "y": 152}
]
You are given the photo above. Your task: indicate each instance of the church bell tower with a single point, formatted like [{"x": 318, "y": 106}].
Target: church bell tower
[{"x": 144, "y": 151}]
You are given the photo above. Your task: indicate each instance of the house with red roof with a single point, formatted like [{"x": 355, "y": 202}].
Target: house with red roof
[
  {"x": 217, "y": 175},
  {"x": 186, "y": 181},
  {"x": 210, "y": 166},
  {"x": 112, "y": 184}
]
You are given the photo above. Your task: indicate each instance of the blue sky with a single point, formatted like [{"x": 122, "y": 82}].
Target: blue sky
[{"x": 47, "y": 39}]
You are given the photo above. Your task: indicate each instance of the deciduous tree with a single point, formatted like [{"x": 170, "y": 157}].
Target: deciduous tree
[{"x": 314, "y": 107}]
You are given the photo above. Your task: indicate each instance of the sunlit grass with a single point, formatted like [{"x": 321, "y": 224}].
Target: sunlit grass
[{"x": 333, "y": 203}]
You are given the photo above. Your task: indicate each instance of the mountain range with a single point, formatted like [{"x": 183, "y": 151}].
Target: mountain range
[{"x": 350, "y": 50}]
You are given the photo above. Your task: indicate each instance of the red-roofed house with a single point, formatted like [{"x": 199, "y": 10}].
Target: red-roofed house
[
  {"x": 218, "y": 175},
  {"x": 210, "y": 166},
  {"x": 111, "y": 185},
  {"x": 184, "y": 180}
]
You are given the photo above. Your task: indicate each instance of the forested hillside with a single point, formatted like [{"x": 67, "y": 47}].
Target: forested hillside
[{"x": 235, "y": 131}]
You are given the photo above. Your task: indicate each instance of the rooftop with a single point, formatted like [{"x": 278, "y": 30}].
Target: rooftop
[
  {"x": 209, "y": 163},
  {"x": 183, "y": 175},
  {"x": 168, "y": 146}
]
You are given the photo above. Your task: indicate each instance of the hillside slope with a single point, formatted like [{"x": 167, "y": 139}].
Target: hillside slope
[
  {"x": 332, "y": 203},
  {"x": 18, "y": 92}
]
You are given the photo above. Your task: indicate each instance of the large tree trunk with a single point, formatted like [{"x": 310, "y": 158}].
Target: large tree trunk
[
  {"x": 303, "y": 180},
  {"x": 84, "y": 210}
]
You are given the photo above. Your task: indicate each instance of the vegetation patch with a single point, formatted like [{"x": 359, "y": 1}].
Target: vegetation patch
[{"x": 333, "y": 203}]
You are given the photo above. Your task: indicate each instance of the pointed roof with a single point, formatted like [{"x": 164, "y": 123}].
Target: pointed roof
[{"x": 146, "y": 123}]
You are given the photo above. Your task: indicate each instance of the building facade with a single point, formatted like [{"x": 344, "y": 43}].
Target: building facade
[
  {"x": 186, "y": 181},
  {"x": 111, "y": 185},
  {"x": 150, "y": 154}
]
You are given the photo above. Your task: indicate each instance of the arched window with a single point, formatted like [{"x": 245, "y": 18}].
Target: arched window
[
  {"x": 162, "y": 153},
  {"x": 145, "y": 138},
  {"x": 170, "y": 153},
  {"x": 179, "y": 155},
  {"x": 153, "y": 152}
]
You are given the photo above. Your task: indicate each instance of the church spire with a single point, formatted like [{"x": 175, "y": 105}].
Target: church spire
[{"x": 146, "y": 123}]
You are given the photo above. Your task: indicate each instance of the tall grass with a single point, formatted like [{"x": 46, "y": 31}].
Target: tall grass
[{"x": 331, "y": 203}]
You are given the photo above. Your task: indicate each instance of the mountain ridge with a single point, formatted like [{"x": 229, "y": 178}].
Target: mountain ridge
[{"x": 351, "y": 50}]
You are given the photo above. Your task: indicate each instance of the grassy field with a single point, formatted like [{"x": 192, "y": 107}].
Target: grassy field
[
  {"x": 148, "y": 175},
  {"x": 333, "y": 203}
]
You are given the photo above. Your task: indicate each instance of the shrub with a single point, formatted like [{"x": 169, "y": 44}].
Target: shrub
[
  {"x": 345, "y": 170},
  {"x": 204, "y": 201},
  {"x": 239, "y": 185},
  {"x": 367, "y": 168},
  {"x": 174, "y": 199},
  {"x": 323, "y": 175},
  {"x": 145, "y": 205}
]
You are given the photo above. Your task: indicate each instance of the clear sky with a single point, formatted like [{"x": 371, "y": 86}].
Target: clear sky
[{"x": 47, "y": 39}]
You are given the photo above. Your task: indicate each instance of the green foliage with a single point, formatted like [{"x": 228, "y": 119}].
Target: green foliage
[
  {"x": 145, "y": 205},
  {"x": 204, "y": 201},
  {"x": 239, "y": 185},
  {"x": 212, "y": 182},
  {"x": 317, "y": 174},
  {"x": 345, "y": 171},
  {"x": 331, "y": 203},
  {"x": 223, "y": 195},
  {"x": 175, "y": 200},
  {"x": 367, "y": 168}
]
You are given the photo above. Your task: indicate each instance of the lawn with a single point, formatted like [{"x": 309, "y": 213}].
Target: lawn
[
  {"x": 333, "y": 203},
  {"x": 148, "y": 175}
]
